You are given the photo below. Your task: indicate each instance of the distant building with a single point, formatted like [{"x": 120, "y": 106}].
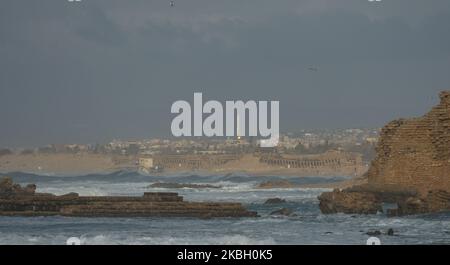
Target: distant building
[
  {"x": 371, "y": 140},
  {"x": 146, "y": 162}
]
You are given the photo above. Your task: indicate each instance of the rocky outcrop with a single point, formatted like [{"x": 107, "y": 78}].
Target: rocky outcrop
[
  {"x": 15, "y": 200},
  {"x": 274, "y": 201},
  {"x": 276, "y": 184},
  {"x": 169, "y": 185},
  {"x": 349, "y": 202},
  {"x": 8, "y": 188},
  {"x": 435, "y": 201},
  {"x": 283, "y": 212},
  {"x": 411, "y": 169}
]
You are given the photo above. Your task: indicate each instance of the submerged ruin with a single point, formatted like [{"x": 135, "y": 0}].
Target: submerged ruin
[{"x": 16, "y": 200}]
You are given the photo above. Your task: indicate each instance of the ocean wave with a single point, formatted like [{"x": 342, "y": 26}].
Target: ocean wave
[
  {"x": 308, "y": 227},
  {"x": 112, "y": 239},
  {"x": 123, "y": 239},
  {"x": 136, "y": 177},
  {"x": 236, "y": 192}
]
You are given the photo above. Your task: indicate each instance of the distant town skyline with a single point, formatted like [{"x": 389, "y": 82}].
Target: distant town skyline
[{"x": 96, "y": 70}]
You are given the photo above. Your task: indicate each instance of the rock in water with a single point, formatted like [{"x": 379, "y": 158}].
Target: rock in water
[
  {"x": 283, "y": 211},
  {"x": 339, "y": 201},
  {"x": 169, "y": 185},
  {"x": 411, "y": 168},
  {"x": 276, "y": 184},
  {"x": 8, "y": 188},
  {"x": 373, "y": 233},
  {"x": 390, "y": 232},
  {"x": 274, "y": 201}
]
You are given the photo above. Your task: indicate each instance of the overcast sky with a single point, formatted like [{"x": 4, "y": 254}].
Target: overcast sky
[{"x": 102, "y": 69}]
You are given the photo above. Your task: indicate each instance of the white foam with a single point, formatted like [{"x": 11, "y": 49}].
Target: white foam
[{"x": 169, "y": 240}]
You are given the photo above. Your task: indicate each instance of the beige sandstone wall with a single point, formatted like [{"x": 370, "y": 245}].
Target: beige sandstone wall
[{"x": 415, "y": 153}]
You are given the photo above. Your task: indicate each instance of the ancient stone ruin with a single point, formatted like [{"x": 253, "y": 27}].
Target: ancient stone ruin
[
  {"x": 16, "y": 200},
  {"x": 411, "y": 169}
]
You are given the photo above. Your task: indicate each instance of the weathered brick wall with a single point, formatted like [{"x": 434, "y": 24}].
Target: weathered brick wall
[{"x": 415, "y": 153}]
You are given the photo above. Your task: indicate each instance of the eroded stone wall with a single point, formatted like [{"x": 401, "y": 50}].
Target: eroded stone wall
[{"x": 415, "y": 153}]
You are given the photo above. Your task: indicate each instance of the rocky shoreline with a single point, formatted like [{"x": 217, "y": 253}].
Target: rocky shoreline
[{"x": 363, "y": 200}]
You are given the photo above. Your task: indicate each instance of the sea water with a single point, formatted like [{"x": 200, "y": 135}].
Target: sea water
[{"x": 306, "y": 226}]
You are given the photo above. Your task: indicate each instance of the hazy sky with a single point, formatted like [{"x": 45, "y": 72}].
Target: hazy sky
[{"x": 102, "y": 69}]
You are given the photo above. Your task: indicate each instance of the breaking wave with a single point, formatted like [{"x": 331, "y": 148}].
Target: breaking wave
[
  {"x": 306, "y": 226},
  {"x": 133, "y": 176}
]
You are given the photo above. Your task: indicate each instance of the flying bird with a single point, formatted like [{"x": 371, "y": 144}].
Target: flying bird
[
  {"x": 172, "y": 3},
  {"x": 314, "y": 69}
]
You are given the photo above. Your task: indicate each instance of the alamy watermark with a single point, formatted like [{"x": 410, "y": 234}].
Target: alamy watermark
[{"x": 235, "y": 114}]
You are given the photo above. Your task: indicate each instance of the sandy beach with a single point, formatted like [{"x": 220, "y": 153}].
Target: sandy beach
[{"x": 58, "y": 164}]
